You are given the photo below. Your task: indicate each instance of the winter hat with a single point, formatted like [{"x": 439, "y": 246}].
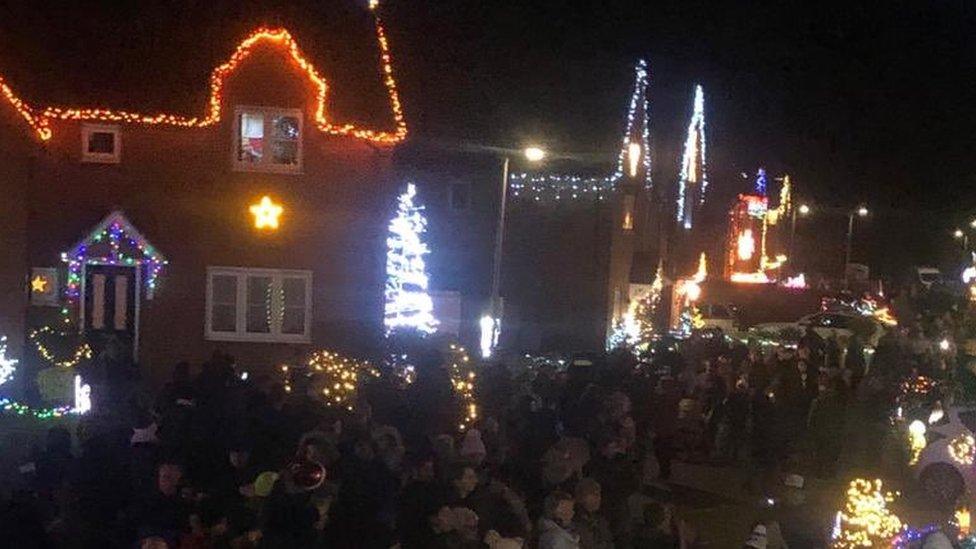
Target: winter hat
[
  {"x": 757, "y": 540},
  {"x": 472, "y": 445},
  {"x": 265, "y": 483}
]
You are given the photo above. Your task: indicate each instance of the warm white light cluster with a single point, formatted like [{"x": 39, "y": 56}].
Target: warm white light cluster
[
  {"x": 963, "y": 449},
  {"x": 408, "y": 305},
  {"x": 865, "y": 520},
  {"x": 693, "y": 171}
]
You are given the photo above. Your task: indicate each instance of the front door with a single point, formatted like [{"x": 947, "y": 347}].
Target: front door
[{"x": 110, "y": 305}]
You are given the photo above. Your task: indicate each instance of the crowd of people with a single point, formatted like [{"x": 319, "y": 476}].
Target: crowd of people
[{"x": 559, "y": 458}]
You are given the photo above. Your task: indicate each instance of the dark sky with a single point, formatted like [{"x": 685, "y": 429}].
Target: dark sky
[{"x": 857, "y": 100}]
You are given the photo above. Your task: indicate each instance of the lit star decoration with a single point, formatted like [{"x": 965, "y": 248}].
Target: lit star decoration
[
  {"x": 40, "y": 119},
  {"x": 962, "y": 449},
  {"x": 865, "y": 520},
  {"x": 693, "y": 180},
  {"x": 408, "y": 305},
  {"x": 114, "y": 241},
  {"x": 81, "y": 353},
  {"x": 266, "y": 213},
  {"x": 39, "y": 284}
]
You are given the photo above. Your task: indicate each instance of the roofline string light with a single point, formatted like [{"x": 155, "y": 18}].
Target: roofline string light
[{"x": 39, "y": 119}]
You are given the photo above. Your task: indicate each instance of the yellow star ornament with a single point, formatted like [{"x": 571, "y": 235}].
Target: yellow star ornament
[
  {"x": 266, "y": 214},
  {"x": 39, "y": 284}
]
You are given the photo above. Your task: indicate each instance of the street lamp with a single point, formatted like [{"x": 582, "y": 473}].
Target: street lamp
[
  {"x": 961, "y": 235},
  {"x": 803, "y": 210},
  {"x": 861, "y": 211},
  {"x": 491, "y": 323},
  {"x": 534, "y": 154}
]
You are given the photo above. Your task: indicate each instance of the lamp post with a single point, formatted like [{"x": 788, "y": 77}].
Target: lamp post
[
  {"x": 961, "y": 235},
  {"x": 861, "y": 211},
  {"x": 491, "y": 323},
  {"x": 803, "y": 210}
]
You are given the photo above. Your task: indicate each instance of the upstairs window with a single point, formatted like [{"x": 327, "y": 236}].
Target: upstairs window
[
  {"x": 100, "y": 144},
  {"x": 268, "y": 139}
]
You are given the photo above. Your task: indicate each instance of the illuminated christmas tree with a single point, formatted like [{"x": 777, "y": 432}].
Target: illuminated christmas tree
[
  {"x": 408, "y": 305},
  {"x": 635, "y": 329}
]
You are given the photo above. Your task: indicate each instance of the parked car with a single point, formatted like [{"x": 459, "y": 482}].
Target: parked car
[
  {"x": 826, "y": 325},
  {"x": 944, "y": 468}
]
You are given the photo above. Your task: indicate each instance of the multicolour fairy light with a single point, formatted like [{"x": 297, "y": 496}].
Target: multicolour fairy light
[{"x": 114, "y": 241}]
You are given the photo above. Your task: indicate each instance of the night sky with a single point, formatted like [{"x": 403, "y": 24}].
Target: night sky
[{"x": 872, "y": 104}]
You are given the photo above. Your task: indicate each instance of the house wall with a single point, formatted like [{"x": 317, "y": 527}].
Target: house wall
[
  {"x": 16, "y": 169},
  {"x": 179, "y": 188}
]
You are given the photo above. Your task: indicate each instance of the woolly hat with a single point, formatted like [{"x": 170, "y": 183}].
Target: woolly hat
[
  {"x": 472, "y": 445},
  {"x": 757, "y": 540}
]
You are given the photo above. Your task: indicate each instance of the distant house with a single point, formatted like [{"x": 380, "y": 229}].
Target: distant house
[
  {"x": 576, "y": 242},
  {"x": 254, "y": 225}
]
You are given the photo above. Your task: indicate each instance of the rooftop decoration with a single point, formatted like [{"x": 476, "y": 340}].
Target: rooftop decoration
[
  {"x": 693, "y": 180},
  {"x": 634, "y": 160},
  {"x": 41, "y": 119}
]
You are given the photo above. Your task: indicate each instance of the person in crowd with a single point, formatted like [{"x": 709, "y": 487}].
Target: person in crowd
[
  {"x": 163, "y": 513},
  {"x": 592, "y": 528},
  {"x": 826, "y": 425},
  {"x": 555, "y": 526}
]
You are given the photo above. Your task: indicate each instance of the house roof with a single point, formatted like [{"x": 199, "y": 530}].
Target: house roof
[{"x": 43, "y": 120}]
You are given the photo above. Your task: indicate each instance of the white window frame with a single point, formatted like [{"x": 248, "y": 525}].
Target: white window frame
[
  {"x": 266, "y": 165},
  {"x": 103, "y": 158},
  {"x": 241, "y": 334}
]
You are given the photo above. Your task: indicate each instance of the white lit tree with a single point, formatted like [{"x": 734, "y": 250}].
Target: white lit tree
[{"x": 408, "y": 305}]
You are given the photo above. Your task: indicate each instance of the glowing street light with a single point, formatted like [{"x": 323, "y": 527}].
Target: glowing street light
[
  {"x": 972, "y": 224},
  {"x": 491, "y": 323},
  {"x": 861, "y": 211},
  {"x": 534, "y": 154},
  {"x": 804, "y": 209},
  {"x": 958, "y": 234}
]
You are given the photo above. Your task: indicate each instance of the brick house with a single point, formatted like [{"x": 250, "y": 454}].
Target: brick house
[{"x": 253, "y": 225}]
